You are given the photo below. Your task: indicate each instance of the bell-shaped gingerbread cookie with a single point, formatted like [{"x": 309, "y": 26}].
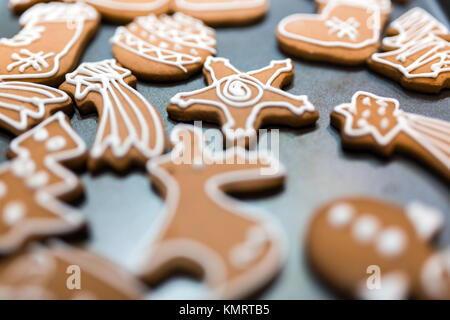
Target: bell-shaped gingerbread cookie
[
  {"x": 371, "y": 249},
  {"x": 376, "y": 123}
]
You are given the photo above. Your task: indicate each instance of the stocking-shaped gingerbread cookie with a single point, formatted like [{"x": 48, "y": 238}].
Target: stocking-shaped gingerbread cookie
[
  {"x": 242, "y": 102},
  {"x": 346, "y": 32},
  {"x": 413, "y": 26},
  {"x": 34, "y": 183},
  {"x": 59, "y": 272},
  {"x": 370, "y": 249},
  {"x": 130, "y": 129},
  {"x": 50, "y": 43},
  {"x": 206, "y": 232},
  {"x": 165, "y": 48},
  {"x": 223, "y": 12},
  {"x": 25, "y": 104},
  {"x": 377, "y": 123}
]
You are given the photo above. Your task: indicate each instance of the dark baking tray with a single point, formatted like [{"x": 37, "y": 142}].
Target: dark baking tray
[{"x": 121, "y": 209}]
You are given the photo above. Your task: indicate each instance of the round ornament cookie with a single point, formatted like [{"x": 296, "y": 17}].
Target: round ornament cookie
[
  {"x": 346, "y": 32},
  {"x": 371, "y": 249},
  {"x": 223, "y": 12},
  {"x": 165, "y": 48},
  {"x": 50, "y": 43},
  {"x": 378, "y": 124}
]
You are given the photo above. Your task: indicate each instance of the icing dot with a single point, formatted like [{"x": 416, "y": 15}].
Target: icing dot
[
  {"x": 13, "y": 212},
  {"x": 41, "y": 135},
  {"x": 23, "y": 167},
  {"x": 38, "y": 180},
  {"x": 340, "y": 215},
  {"x": 366, "y": 101},
  {"x": 3, "y": 189},
  {"x": 163, "y": 45},
  {"x": 56, "y": 143},
  {"x": 194, "y": 52},
  {"x": 391, "y": 242},
  {"x": 382, "y": 103},
  {"x": 365, "y": 228},
  {"x": 152, "y": 38},
  {"x": 382, "y": 111},
  {"x": 362, "y": 123},
  {"x": 366, "y": 113},
  {"x": 384, "y": 124}
]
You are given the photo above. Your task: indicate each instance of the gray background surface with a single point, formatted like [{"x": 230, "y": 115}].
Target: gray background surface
[{"x": 121, "y": 209}]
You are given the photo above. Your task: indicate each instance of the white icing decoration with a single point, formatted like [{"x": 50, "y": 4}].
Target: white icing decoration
[
  {"x": 129, "y": 5},
  {"x": 244, "y": 81},
  {"x": 41, "y": 135},
  {"x": 154, "y": 252},
  {"x": 23, "y": 167},
  {"x": 347, "y": 28},
  {"x": 432, "y": 48},
  {"x": 55, "y": 143},
  {"x": 366, "y": 101},
  {"x": 435, "y": 275},
  {"x": 413, "y": 26},
  {"x": 365, "y": 228},
  {"x": 431, "y": 134},
  {"x": 251, "y": 249},
  {"x": 107, "y": 78},
  {"x": 427, "y": 221},
  {"x": 13, "y": 101},
  {"x": 391, "y": 242},
  {"x": 171, "y": 30},
  {"x": 375, "y": 26},
  {"x": 13, "y": 213},
  {"x": 38, "y": 180},
  {"x": 384, "y": 124},
  {"x": 340, "y": 215},
  {"x": 54, "y": 12},
  {"x": 222, "y": 5},
  {"x": 394, "y": 286},
  {"x": 385, "y": 5}
]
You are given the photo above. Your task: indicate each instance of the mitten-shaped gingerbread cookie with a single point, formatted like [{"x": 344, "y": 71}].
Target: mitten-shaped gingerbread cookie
[
  {"x": 59, "y": 272},
  {"x": 130, "y": 129},
  {"x": 34, "y": 184},
  {"x": 223, "y": 12},
  {"x": 25, "y": 104},
  {"x": 375, "y": 123},
  {"x": 370, "y": 249},
  {"x": 243, "y": 102},
  {"x": 165, "y": 48},
  {"x": 346, "y": 32},
  {"x": 50, "y": 43},
  {"x": 203, "y": 230}
]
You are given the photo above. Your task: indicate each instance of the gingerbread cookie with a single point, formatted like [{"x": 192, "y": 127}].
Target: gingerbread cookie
[
  {"x": 242, "y": 102},
  {"x": 223, "y": 12},
  {"x": 33, "y": 184},
  {"x": 50, "y": 43},
  {"x": 60, "y": 272},
  {"x": 206, "y": 232},
  {"x": 375, "y": 123},
  {"x": 346, "y": 32},
  {"x": 165, "y": 48},
  {"x": 25, "y": 104},
  {"x": 413, "y": 26},
  {"x": 130, "y": 129},
  {"x": 370, "y": 249}
]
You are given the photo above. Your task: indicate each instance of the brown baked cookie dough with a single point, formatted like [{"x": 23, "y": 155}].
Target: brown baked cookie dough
[
  {"x": 371, "y": 249},
  {"x": 378, "y": 124},
  {"x": 165, "y": 48},
  {"x": 50, "y": 44}
]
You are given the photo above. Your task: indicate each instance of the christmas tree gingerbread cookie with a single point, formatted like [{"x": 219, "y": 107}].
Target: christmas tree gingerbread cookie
[
  {"x": 242, "y": 102},
  {"x": 371, "y": 249},
  {"x": 376, "y": 123},
  {"x": 165, "y": 48},
  {"x": 130, "y": 129},
  {"x": 52, "y": 39},
  {"x": 206, "y": 232},
  {"x": 35, "y": 182}
]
